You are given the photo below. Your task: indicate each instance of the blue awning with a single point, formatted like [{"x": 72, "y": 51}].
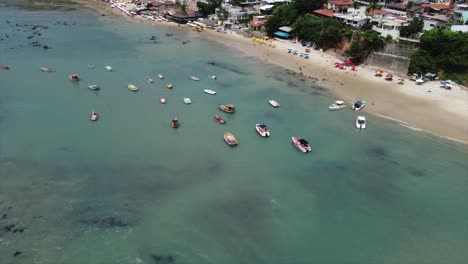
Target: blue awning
[{"x": 282, "y": 34}]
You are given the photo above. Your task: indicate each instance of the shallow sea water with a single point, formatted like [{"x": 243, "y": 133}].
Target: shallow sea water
[{"x": 130, "y": 189}]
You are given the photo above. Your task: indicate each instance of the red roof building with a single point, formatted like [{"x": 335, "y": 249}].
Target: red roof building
[{"x": 324, "y": 12}]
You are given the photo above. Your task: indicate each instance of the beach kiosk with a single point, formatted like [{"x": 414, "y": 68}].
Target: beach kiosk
[{"x": 283, "y": 32}]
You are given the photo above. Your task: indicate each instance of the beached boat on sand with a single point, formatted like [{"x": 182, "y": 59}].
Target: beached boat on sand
[
  {"x": 358, "y": 105},
  {"x": 162, "y": 100},
  {"x": 337, "y": 105},
  {"x": 73, "y": 77},
  {"x": 230, "y": 139},
  {"x": 94, "y": 116},
  {"x": 229, "y": 108},
  {"x": 45, "y": 69},
  {"x": 175, "y": 123},
  {"x": 209, "y": 92},
  {"x": 219, "y": 120},
  {"x": 109, "y": 68},
  {"x": 301, "y": 144},
  {"x": 262, "y": 130},
  {"x": 274, "y": 103},
  {"x": 132, "y": 88},
  {"x": 361, "y": 122}
]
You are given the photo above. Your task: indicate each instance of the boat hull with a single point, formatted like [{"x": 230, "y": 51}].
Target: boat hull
[
  {"x": 219, "y": 120},
  {"x": 262, "y": 131},
  {"x": 300, "y": 146},
  {"x": 94, "y": 117},
  {"x": 132, "y": 88},
  {"x": 227, "y": 108},
  {"x": 274, "y": 103},
  {"x": 162, "y": 100},
  {"x": 230, "y": 139},
  {"x": 209, "y": 92}
]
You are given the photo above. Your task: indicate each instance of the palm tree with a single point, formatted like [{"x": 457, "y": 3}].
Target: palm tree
[{"x": 372, "y": 6}]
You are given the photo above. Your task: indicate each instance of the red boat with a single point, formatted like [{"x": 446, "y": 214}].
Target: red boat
[
  {"x": 73, "y": 77},
  {"x": 45, "y": 69},
  {"x": 219, "y": 120},
  {"x": 94, "y": 116},
  {"x": 301, "y": 144},
  {"x": 4, "y": 67}
]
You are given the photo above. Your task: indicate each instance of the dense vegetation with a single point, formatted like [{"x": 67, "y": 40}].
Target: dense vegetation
[
  {"x": 363, "y": 44},
  {"x": 443, "y": 52},
  {"x": 415, "y": 26},
  {"x": 209, "y": 7}
]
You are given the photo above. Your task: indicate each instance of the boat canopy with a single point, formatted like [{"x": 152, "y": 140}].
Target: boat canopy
[
  {"x": 339, "y": 102},
  {"x": 303, "y": 141},
  {"x": 358, "y": 103}
]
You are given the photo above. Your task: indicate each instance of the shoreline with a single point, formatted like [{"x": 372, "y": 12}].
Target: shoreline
[{"x": 426, "y": 107}]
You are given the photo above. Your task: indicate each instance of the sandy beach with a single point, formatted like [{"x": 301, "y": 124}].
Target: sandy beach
[{"x": 427, "y": 107}]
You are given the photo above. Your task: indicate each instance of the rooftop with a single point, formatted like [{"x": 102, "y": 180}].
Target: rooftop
[
  {"x": 341, "y": 3},
  {"x": 378, "y": 12},
  {"x": 437, "y": 6},
  {"x": 324, "y": 12}
]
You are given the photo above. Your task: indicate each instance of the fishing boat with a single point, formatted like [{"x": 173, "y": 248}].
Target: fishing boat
[
  {"x": 301, "y": 144},
  {"x": 187, "y": 100},
  {"x": 169, "y": 86},
  {"x": 229, "y": 108},
  {"x": 93, "y": 87},
  {"x": 361, "y": 122},
  {"x": 193, "y": 78},
  {"x": 209, "y": 92},
  {"x": 337, "y": 105},
  {"x": 274, "y": 103},
  {"x": 160, "y": 76},
  {"x": 94, "y": 116},
  {"x": 358, "y": 105},
  {"x": 262, "y": 130},
  {"x": 90, "y": 66},
  {"x": 212, "y": 77},
  {"x": 109, "y": 68},
  {"x": 73, "y": 77},
  {"x": 4, "y": 67},
  {"x": 162, "y": 100},
  {"x": 149, "y": 80},
  {"x": 230, "y": 139},
  {"x": 175, "y": 123},
  {"x": 45, "y": 69},
  {"x": 219, "y": 120},
  {"x": 132, "y": 88}
]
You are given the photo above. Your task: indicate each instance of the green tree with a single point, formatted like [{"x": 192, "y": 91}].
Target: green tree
[
  {"x": 372, "y": 6},
  {"x": 364, "y": 44},
  {"x": 283, "y": 15},
  {"x": 236, "y": 2},
  {"x": 410, "y": 4},
  {"x": 209, "y": 7},
  {"x": 416, "y": 25},
  {"x": 307, "y": 6}
]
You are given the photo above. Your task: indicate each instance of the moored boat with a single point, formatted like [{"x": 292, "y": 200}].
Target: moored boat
[
  {"x": 149, "y": 80},
  {"x": 301, "y": 144},
  {"x": 90, "y": 66},
  {"x": 160, "y": 76},
  {"x": 93, "y": 87},
  {"x": 187, "y": 100},
  {"x": 262, "y": 130},
  {"x": 361, "y": 122},
  {"x": 94, "y": 116},
  {"x": 109, "y": 68},
  {"x": 358, "y": 105},
  {"x": 219, "y": 120},
  {"x": 193, "y": 78},
  {"x": 230, "y": 139},
  {"x": 212, "y": 77},
  {"x": 162, "y": 100},
  {"x": 274, "y": 103},
  {"x": 175, "y": 123},
  {"x": 208, "y": 91},
  {"x": 337, "y": 105},
  {"x": 73, "y": 77},
  {"x": 229, "y": 108},
  {"x": 132, "y": 88},
  {"x": 45, "y": 69},
  {"x": 169, "y": 86},
  {"x": 4, "y": 67}
]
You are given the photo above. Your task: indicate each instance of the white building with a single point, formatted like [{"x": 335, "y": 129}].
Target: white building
[{"x": 354, "y": 17}]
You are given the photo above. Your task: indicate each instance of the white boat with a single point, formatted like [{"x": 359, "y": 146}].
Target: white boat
[
  {"x": 93, "y": 87},
  {"x": 90, "y": 66},
  {"x": 358, "y": 105},
  {"x": 301, "y": 144},
  {"x": 212, "y": 77},
  {"x": 274, "y": 103},
  {"x": 262, "y": 130},
  {"x": 109, "y": 68},
  {"x": 187, "y": 100},
  {"x": 361, "y": 122},
  {"x": 337, "y": 105},
  {"x": 209, "y": 92},
  {"x": 162, "y": 100},
  {"x": 94, "y": 116},
  {"x": 193, "y": 78}
]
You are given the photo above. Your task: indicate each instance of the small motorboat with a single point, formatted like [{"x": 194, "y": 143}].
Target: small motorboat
[
  {"x": 175, "y": 123},
  {"x": 358, "y": 105},
  {"x": 229, "y": 108},
  {"x": 274, "y": 103},
  {"x": 361, "y": 122},
  {"x": 94, "y": 116},
  {"x": 187, "y": 100},
  {"x": 193, "y": 78},
  {"x": 45, "y": 69},
  {"x": 337, "y": 105},
  {"x": 73, "y": 77},
  {"x": 230, "y": 139},
  {"x": 209, "y": 92},
  {"x": 162, "y": 100},
  {"x": 132, "y": 88},
  {"x": 219, "y": 120},
  {"x": 169, "y": 86},
  {"x": 262, "y": 130},
  {"x": 212, "y": 77},
  {"x": 149, "y": 80},
  {"x": 160, "y": 76},
  {"x": 301, "y": 144},
  {"x": 90, "y": 66},
  {"x": 94, "y": 87},
  {"x": 4, "y": 67},
  {"x": 109, "y": 68}
]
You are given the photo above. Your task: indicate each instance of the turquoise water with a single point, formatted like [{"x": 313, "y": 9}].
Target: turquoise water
[{"x": 130, "y": 189}]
